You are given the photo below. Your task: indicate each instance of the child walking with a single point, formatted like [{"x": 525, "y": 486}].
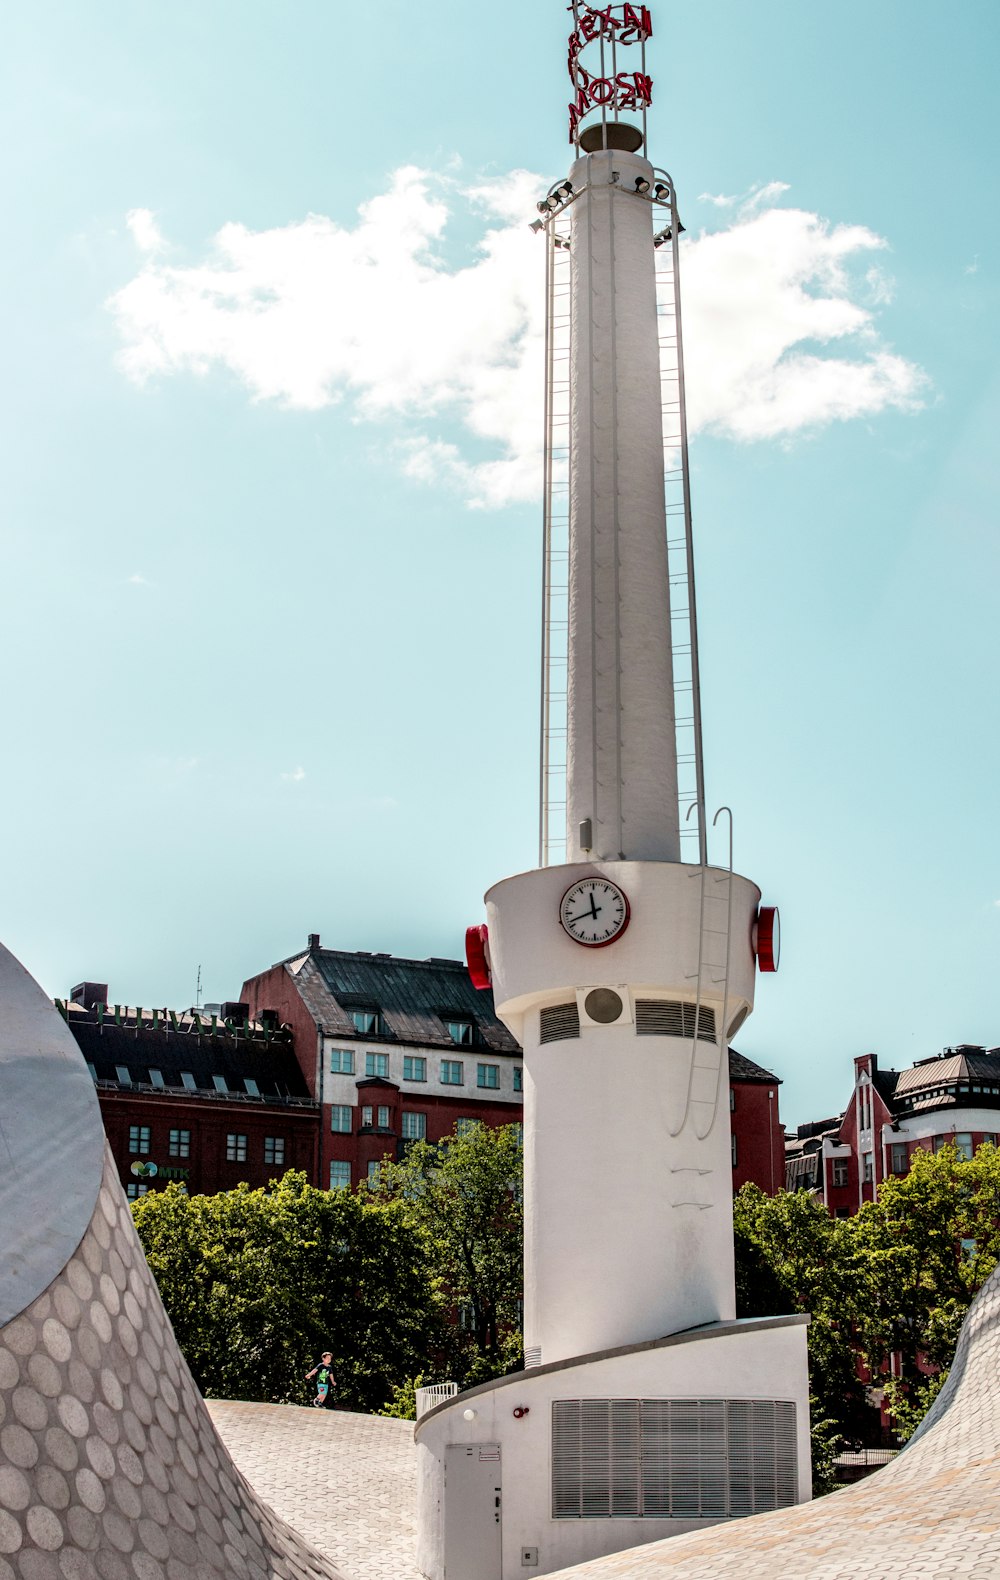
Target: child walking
[{"x": 323, "y": 1373}]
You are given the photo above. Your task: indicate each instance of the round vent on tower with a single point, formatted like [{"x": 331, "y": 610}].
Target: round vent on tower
[{"x": 603, "y": 1005}]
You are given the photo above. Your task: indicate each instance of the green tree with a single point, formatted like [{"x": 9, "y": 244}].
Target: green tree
[
  {"x": 791, "y": 1255},
  {"x": 463, "y": 1197},
  {"x": 923, "y": 1249},
  {"x": 259, "y": 1282}
]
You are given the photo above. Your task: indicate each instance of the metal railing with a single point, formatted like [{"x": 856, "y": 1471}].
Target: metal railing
[
  {"x": 436, "y": 1394},
  {"x": 261, "y": 1098}
]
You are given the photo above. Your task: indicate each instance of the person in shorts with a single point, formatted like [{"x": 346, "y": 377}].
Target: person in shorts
[{"x": 323, "y": 1373}]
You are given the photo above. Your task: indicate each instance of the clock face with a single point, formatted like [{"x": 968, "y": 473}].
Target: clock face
[{"x": 594, "y": 912}]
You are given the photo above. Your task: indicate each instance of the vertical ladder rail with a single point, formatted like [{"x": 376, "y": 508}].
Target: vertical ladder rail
[
  {"x": 680, "y": 545},
  {"x": 555, "y": 549}
]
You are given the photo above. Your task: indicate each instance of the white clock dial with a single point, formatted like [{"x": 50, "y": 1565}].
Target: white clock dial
[{"x": 594, "y": 912}]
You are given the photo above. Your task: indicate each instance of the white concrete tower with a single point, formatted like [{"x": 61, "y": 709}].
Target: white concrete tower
[{"x": 622, "y": 969}]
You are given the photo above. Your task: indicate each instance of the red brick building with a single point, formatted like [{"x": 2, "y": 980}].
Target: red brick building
[
  {"x": 396, "y": 1050},
  {"x": 206, "y": 1099},
  {"x": 758, "y": 1143},
  {"x": 953, "y": 1097}
]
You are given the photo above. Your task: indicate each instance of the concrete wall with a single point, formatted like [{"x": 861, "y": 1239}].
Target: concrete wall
[
  {"x": 618, "y": 1198},
  {"x": 740, "y": 1361},
  {"x": 621, "y": 752}
]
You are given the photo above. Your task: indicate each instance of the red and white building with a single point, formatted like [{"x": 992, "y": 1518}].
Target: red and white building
[
  {"x": 953, "y": 1097},
  {"x": 394, "y": 1050}
]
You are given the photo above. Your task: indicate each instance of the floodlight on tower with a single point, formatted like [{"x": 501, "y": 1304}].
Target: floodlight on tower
[{"x": 625, "y": 961}]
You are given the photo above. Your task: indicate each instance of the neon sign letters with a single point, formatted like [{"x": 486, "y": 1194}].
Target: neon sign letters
[{"x": 608, "y": 27}]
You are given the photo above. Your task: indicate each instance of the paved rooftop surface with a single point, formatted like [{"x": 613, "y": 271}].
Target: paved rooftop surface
[{"x": 346, "y": 1483}]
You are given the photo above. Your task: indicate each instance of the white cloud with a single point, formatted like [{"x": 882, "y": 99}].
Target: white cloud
[
  {"x": 295, "y": 777},
  {"x": 145, "y": 231},
  {"x": 973, "y": 267},
  {"x": 138, "y": 580},
  {"x": 778, "y": 338}
]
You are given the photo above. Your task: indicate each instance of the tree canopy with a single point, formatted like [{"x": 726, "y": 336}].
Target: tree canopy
[
  {"x": 463, "y": 1197},
  {"x": 258, "y": 1283}
]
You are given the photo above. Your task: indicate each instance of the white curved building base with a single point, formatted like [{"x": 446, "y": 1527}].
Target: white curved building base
[{"x": 528, "y": 1481}]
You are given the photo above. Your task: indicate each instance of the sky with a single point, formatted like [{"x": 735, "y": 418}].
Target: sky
[{"x": 269, "y": 458}]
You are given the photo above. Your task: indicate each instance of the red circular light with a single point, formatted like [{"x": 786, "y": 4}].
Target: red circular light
[
  {"x": 477, "y": 956},
  {"x": 768, "y": 939}
]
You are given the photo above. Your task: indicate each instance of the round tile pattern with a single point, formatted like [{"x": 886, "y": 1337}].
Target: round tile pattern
[{"x": 110, "y": 1465}]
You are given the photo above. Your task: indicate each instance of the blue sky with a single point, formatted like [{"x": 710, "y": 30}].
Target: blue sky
[{"x": 270, "y": 533}]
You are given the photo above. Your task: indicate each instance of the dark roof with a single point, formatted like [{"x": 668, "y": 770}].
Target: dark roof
[
  {"x": 269, "y": 1062},
  {"x": 414, "y": 998},
  {"x": 743, "y": 1069},
  {"x": 802, "y": 1173},
  {"x": 885, "y": 1083}
]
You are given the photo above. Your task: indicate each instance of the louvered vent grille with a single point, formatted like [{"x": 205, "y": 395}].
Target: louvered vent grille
[
  {"x": 655, "y": 1017},
  {"x": 532, "y": 1356},
  {"x": 672, "y": 1458},
  {"x": 559, "y": 1021}
]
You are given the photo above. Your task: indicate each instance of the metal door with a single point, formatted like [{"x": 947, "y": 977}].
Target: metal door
[{"x": 472, "y": 1511}]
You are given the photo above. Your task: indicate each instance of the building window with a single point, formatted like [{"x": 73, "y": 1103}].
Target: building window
[
  {"x": 377, "y": 1064},
  {"x": 236, "y": 1148},
  {"x": 732, "y": 1148},
  {"x": 341, "y": 1061},
  {"x": 274, "y": 1149},
  {"x": 465, "y": 1125},
  {"x": 732, "y": 1099},
  {"x": 133, "y": 1190},
  {"x": 383, "y": 1117},
  {"x": 868, "y": 1165},
  {"x": 900, "y": 1161},
  {"x": 253, "y": 1090},
  {"x": 93, "y": 1070},
  {"x": 940, "y": 1142},
  {"x": 366, "y": 1022},
  {"x": 219, "y": 1082},
  {"x": 451, "y": 1072},
  {"x": 460, "y": 1032},
  {"x": 340, "y": 1118},
  {"x": 188, "y": 1081},
  {"x": 138, "y": 1140},
  {"x": 123, "y": 1075},
  {"x": 518, "y": 1078},
  {"x": 963, "y": 1145},
  {"x": 989, "y": 1140},
  {"x": 488, "y": 1075},
  {"x": 467, "y": 1318},
  {"x": 414, "y": 1126},
  {"x": 414, "y": 1069},
  {"x": 518, "y": 1130},
  {"x": 839, "y": 1173},
  {"x": 180, "y": 1143},
  {"x": 366, "y": 1117},
  {"x": 373, "y": 1172},
  {"x": 156, "y": 1078},
  {"x": 340, "y": 1175}
]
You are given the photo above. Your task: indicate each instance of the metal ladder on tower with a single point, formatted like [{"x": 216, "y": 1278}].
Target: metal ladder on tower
[
  {"x": 677, "y": 499},
  {"x": 709, "y": 1043},
  {"x": 555, "y": 550}
]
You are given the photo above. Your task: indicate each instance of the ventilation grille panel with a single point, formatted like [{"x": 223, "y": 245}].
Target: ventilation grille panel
[
  {"x": 672, "y": 1458},
  {"x": 656, "y": 1017},
  {"x": 559, "y": 1022}
]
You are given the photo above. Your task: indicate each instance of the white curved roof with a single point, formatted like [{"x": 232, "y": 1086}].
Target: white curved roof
[{"x": 51, "y": 1140}]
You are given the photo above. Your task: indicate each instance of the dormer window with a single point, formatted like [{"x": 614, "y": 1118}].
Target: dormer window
[
  {"x": 460, "y": 1032},
  {"x": 366, "y": 1022}
]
